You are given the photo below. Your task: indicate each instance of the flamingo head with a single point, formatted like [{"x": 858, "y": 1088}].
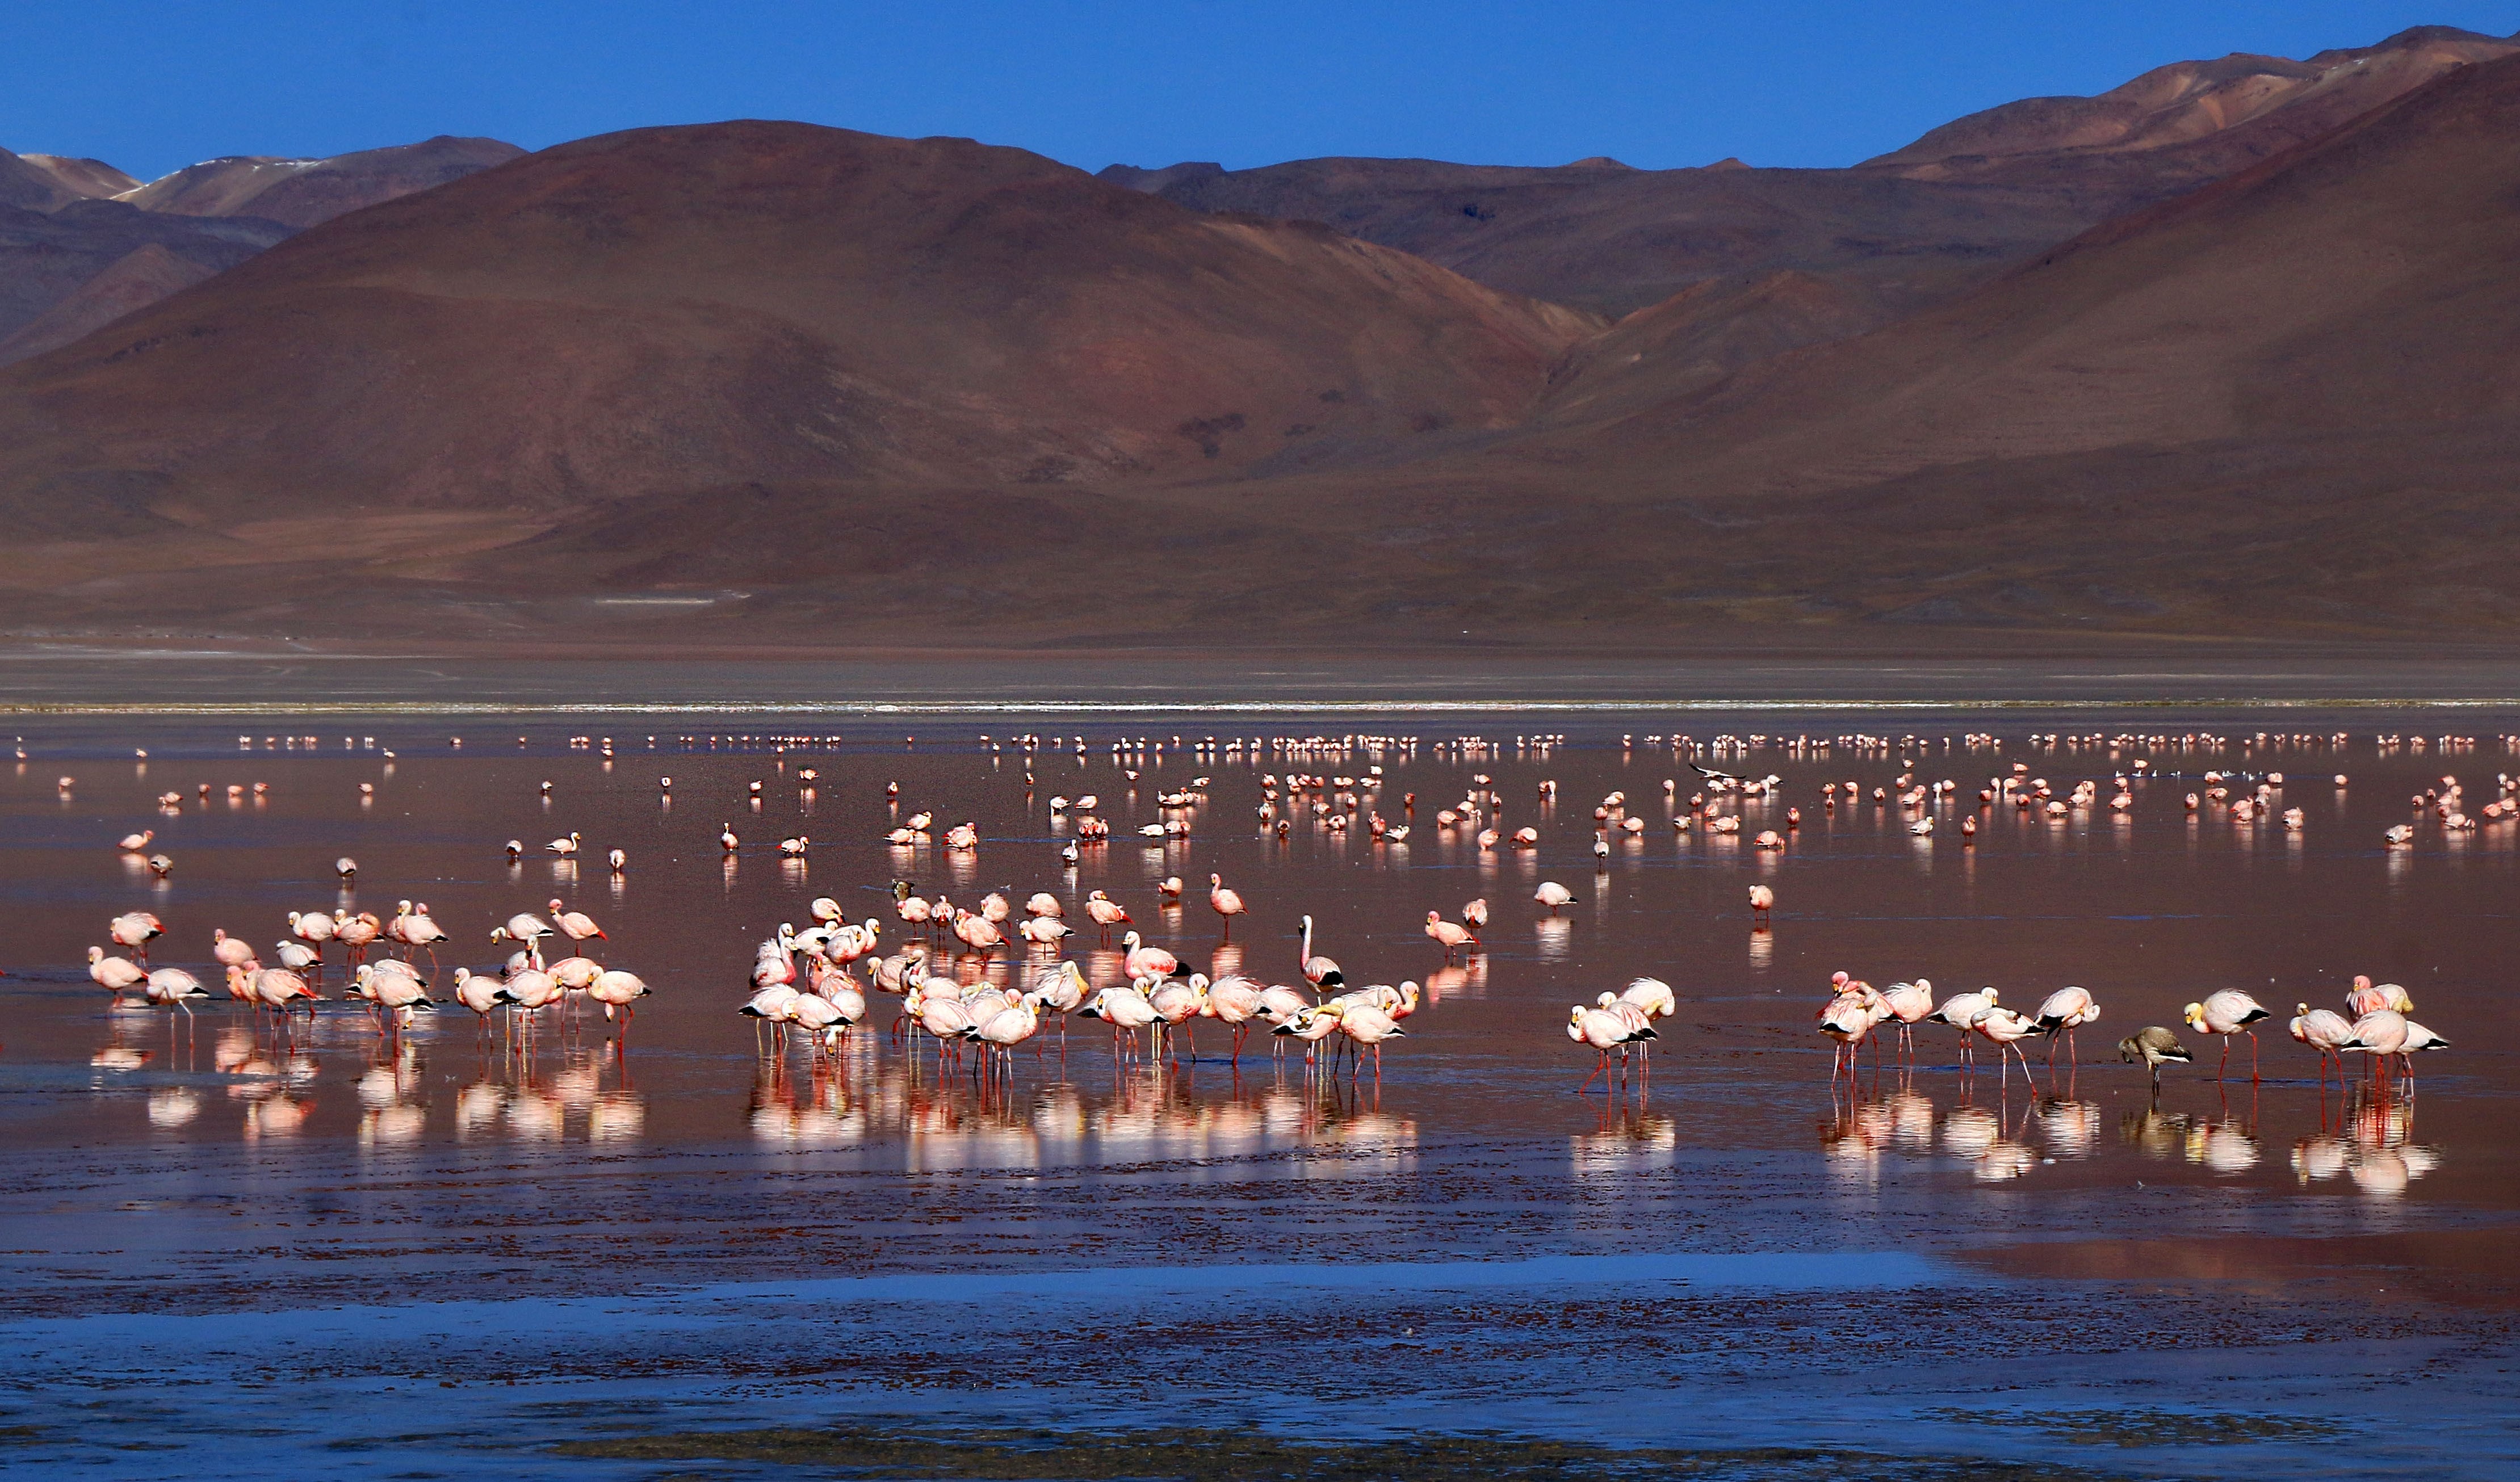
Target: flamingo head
[{"x": 2195, "y": 1015}]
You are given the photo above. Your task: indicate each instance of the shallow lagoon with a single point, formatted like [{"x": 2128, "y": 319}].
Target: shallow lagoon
[{"x": 670, "y": 1230}]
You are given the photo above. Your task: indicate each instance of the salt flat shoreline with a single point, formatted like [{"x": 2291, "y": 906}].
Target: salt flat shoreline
[{"x": 86, "y": 679}]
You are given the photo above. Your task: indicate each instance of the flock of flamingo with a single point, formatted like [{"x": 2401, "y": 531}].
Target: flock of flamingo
[{"x": 804, "y": 985}]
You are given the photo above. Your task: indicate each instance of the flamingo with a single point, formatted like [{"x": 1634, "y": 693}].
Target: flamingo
[
  {"x": 1319, "y": 971},
  {"x": 1763, "y": 900},
  {"x": 2418, "y": 1038},
  {"x": 1142, "y": 961},
  {"x": 1124, "y": 1008},
  {"x": 136, "y": 843},
  {"x": 1107, "y": 913},
  {"x": 1311, "y": 1024},
  {"x": 134, "y": 929},
  {"x": 2381, "y": 1034},
  {"x": 1177, "y": 1002},
  {"x": 357, "y": 933},
  {"x": 2365, "y": 998},
  {"x": 1554, "y": 895},
  {"x": 1451, "y": 936},
  {"x": 277, "y": 989},
  {"x": 228, "y": 951},
  {"x": 115, "y": 974},
  {"x": 1045, "y": 905},
  {"x": 564, "y": 846},
  {"x": 1475, "y": 914},
  {"x": 173, "y": 987},
  {"x": 1605, "y": 1032},
  {"x": 524, "y": 929},
  {"x": 943, "y": 1017},
  {"x": 2227, "y": 1014},
  {"x": 1043, "y": 930},
  {"x": 423, "y": 932},
  {"x": 1368, "y": 1026},
  {"x": 1961, "y": 1012},
  {"x": 2066, "y": 1009},
  {"x": 576, "y": 925},
  {"x": 1225, "y": 903},
  {"x": 979, "y": 933},
  {"x": 1652, "y": 996},
  {"x": 1909, "y": 1003},
  {"x": 1849, "y": 1020},
  {"x": 1062, "y": 991},
  {"x": 1235, "y": 1001},
  {"x": 480, "y": 993},
  {"x": 773, "y": 1002},
  {"x": 2006, "y": 1029},
  {"x": 2326, "y": 1031},
  {"x": 1002, "y": 1031}
]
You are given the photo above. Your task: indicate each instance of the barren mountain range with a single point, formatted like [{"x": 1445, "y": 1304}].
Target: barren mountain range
[{"x": 2225, "y": 350}]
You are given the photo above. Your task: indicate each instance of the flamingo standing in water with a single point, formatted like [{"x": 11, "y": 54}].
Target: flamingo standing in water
[
  {"x": 114, "y": 975},
  {"x": 1607, "y": 1032},
  {"x": 422, "y": 933},
  {"x": 229, "y": 952},
  {"x": 1107, "y": 913},
  {"x": 1139, "y": 961},
  {"x": 2227, "y": 1014},
  {"x": 1450, "y": 936},
  {"x": 2381, "y": 1034},
  {"x": 1225, "y": 903},
  {"x": 1554, "y": 895},
  {"x": 2065, "y": 1011},
  {"x": 1762, "y": 901},
  {"x": 1319, "y": 971},
  {"x": 134, "y": 929},
  {"x": 2008, "y": 1029},
  {"x": 2326, "y": 1031},
  {"x": 576, "y": 925},
  {"x": 1909, "y": 1003},
  {"x": 1235, "y": 1001},
  {"x": 1961, "y": 1012},
  {"x": 1368, "y": 1026}
]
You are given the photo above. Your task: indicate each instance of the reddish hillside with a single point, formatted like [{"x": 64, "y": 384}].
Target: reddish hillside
[
  {"x": 301, "y": 193},
  {"x": 671, "y": 309},
  {"x": 2180, "y": 125}
]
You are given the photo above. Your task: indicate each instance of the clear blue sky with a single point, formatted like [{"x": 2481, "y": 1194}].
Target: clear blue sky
[{"x": 1790, "y": 82}]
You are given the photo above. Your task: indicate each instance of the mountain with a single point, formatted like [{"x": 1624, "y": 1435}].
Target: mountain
[
  {"x": 46, "y": 256},
  {"x": 1908, "y": 229},
  {"x": 1601, "y": 235},
  {"x": 86, "y": 179},
  {"x": 2287, "y": 398},
  {"x": 666, "y": 310},
  {"x": 2180, "y": 125},
  {"x": 752, "y": 384},
  {"x": 301, "y": 193},
  {"x": 134, "y": 281}
]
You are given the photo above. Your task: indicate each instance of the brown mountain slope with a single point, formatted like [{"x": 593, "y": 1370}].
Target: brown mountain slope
[
  {"x": 673, "y": 310},
  {"x": 1607, "y": 236},
  {"x": 93, "y": 179},
  {"x": 2190, "y": 121},
  {"x": 46, "y": 256},
  {"x": 301, "y": 193},
  {"x": 2285, "y": 400},
  {"x": 2357, "y": 283},
  {"x": 134, "y": 281}
]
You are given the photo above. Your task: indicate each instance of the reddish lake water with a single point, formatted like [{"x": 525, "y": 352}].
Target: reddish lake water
[{"x": 2292, "y": 1252}]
